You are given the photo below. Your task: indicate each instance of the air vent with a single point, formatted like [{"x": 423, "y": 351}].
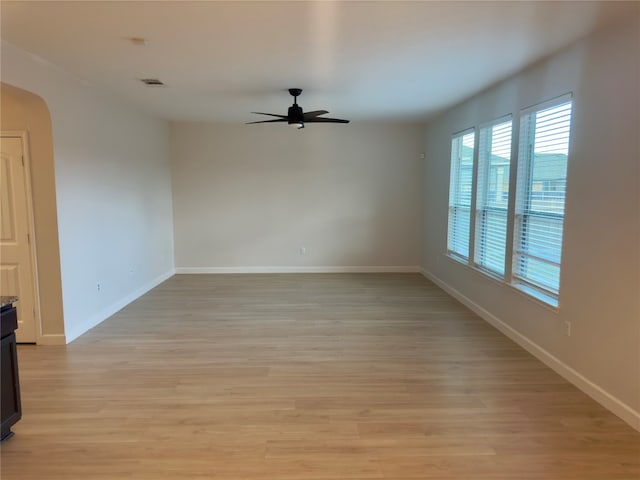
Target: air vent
[
  {"x": 138, "y": 41},
  {"x": 152, "y": 82}
]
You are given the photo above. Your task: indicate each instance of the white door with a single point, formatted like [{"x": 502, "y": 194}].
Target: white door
[{"x": 16, "y": 269}]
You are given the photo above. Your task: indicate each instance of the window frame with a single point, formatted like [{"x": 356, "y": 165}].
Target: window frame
[
  {"x": 481, "y": 187},
  {"x": 524, "y": 166},
  {"x": 466, "y": 259},
  {"x": 510, "y": 278}
]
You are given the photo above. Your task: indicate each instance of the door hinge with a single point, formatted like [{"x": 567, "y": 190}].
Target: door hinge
[
  {"x": 29, "y": 238},
  {"x": 34, "y": 312},
  {"x": 22, "y": 156}
]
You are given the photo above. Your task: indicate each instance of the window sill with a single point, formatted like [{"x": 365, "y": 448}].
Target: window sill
[
  {"x": 546, "y": 301},
  {"x": 474, "y": 268},
  {"x": 457, "y": 258}
]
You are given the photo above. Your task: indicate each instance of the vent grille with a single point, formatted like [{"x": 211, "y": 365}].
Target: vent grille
[
  {"x": 152, "y": 82},
  {"x": 138, "y": 41}
]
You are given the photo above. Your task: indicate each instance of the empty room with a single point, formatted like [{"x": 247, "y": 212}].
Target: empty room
[{"x": 320, "y": 240}]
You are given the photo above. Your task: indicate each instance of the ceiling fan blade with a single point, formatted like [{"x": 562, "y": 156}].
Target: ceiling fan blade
[
  {"x": 269, "y": 121},
  {"x": 271, "y": 114},
  {"x": 315, "y": 113},
  {"x": 325, "y": 120}
]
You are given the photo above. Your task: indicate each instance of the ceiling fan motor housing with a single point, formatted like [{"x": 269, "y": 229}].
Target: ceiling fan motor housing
[{"x": 295, "y": 114}]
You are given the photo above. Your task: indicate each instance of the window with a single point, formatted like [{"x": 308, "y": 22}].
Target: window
[
  {"x": 492, "y": 199},
  {"x": 520, "y": 245},
  {"x": 540, "y": 192},
  {"x": 460, "y": 188}
]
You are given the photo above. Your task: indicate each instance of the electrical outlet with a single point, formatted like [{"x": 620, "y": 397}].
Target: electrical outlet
[
  {"x": 98, "y": 286},
  {"x": 567, "y": 328},
  {"x": 303, "y": 251}
]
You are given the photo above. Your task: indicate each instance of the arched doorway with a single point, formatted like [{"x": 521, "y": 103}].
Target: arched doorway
[{"x": 23, "y": 111}]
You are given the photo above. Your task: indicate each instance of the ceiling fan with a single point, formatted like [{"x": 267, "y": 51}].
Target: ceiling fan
[{"x": 296, "y": 117}]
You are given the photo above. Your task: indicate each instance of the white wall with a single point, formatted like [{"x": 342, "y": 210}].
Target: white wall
[
  {"x": 113, "y": 189},
  {"x": 600, "y": 287},
  {"x": 248, "y": 197}
]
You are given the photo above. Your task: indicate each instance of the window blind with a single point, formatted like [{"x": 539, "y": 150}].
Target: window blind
[
  {"x": 460, "y": 191},
  {"x": 492, "y": 200},
  {"x": 541, "y": 190}
]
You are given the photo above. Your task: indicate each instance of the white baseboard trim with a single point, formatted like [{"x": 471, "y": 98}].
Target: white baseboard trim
[
  {"x": 52, "y": 339},
  {"x": 105, "y": 313},
  {"x": 351, "y": 269},
  {"x": 613, "y": 404}
]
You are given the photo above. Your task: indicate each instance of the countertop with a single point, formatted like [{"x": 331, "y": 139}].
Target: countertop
[{"x": 7, "y": 300}]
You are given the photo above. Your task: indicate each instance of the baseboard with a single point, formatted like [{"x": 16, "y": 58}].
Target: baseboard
[
  {"x": 350, "y": 269},
  {"x": 613, "y": 404},
  {"x": 52, "y": 339},
  {"x": 105, "y": 313}
]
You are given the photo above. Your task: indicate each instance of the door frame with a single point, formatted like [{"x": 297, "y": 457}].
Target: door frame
[{"x": 26, "y": 154}]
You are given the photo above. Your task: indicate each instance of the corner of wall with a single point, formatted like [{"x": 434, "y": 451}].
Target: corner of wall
[{"x": 73, "y": 332}]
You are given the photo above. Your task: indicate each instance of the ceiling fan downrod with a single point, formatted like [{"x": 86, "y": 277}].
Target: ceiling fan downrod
[{"x": 295, "y": 92}]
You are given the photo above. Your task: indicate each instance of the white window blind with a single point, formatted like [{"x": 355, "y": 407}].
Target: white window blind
[
  {"x": 460, "y": 188},
  {"x": 492, "y": 200},
  {"x": 541, "y": 189}
]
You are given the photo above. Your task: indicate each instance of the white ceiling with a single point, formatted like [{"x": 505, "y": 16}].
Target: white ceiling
[{"x": 359, "y": 60}]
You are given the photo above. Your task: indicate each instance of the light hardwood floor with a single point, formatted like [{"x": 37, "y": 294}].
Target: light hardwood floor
[{"x": 305, "y": 377}]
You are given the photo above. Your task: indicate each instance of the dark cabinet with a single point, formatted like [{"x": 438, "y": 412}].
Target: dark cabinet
[{"x": 10, "y": 401}]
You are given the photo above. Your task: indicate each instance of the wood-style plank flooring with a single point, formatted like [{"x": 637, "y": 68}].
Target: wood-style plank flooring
[{"x": 293, "y": 377}]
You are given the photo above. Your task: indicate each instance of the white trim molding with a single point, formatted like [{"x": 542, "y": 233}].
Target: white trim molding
[
  {"x": 105, "y": 313},
  {"x": 52, "y": 339},
  {"x": 350, "y": 269},
  {"x": 613, "y": 404}
]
